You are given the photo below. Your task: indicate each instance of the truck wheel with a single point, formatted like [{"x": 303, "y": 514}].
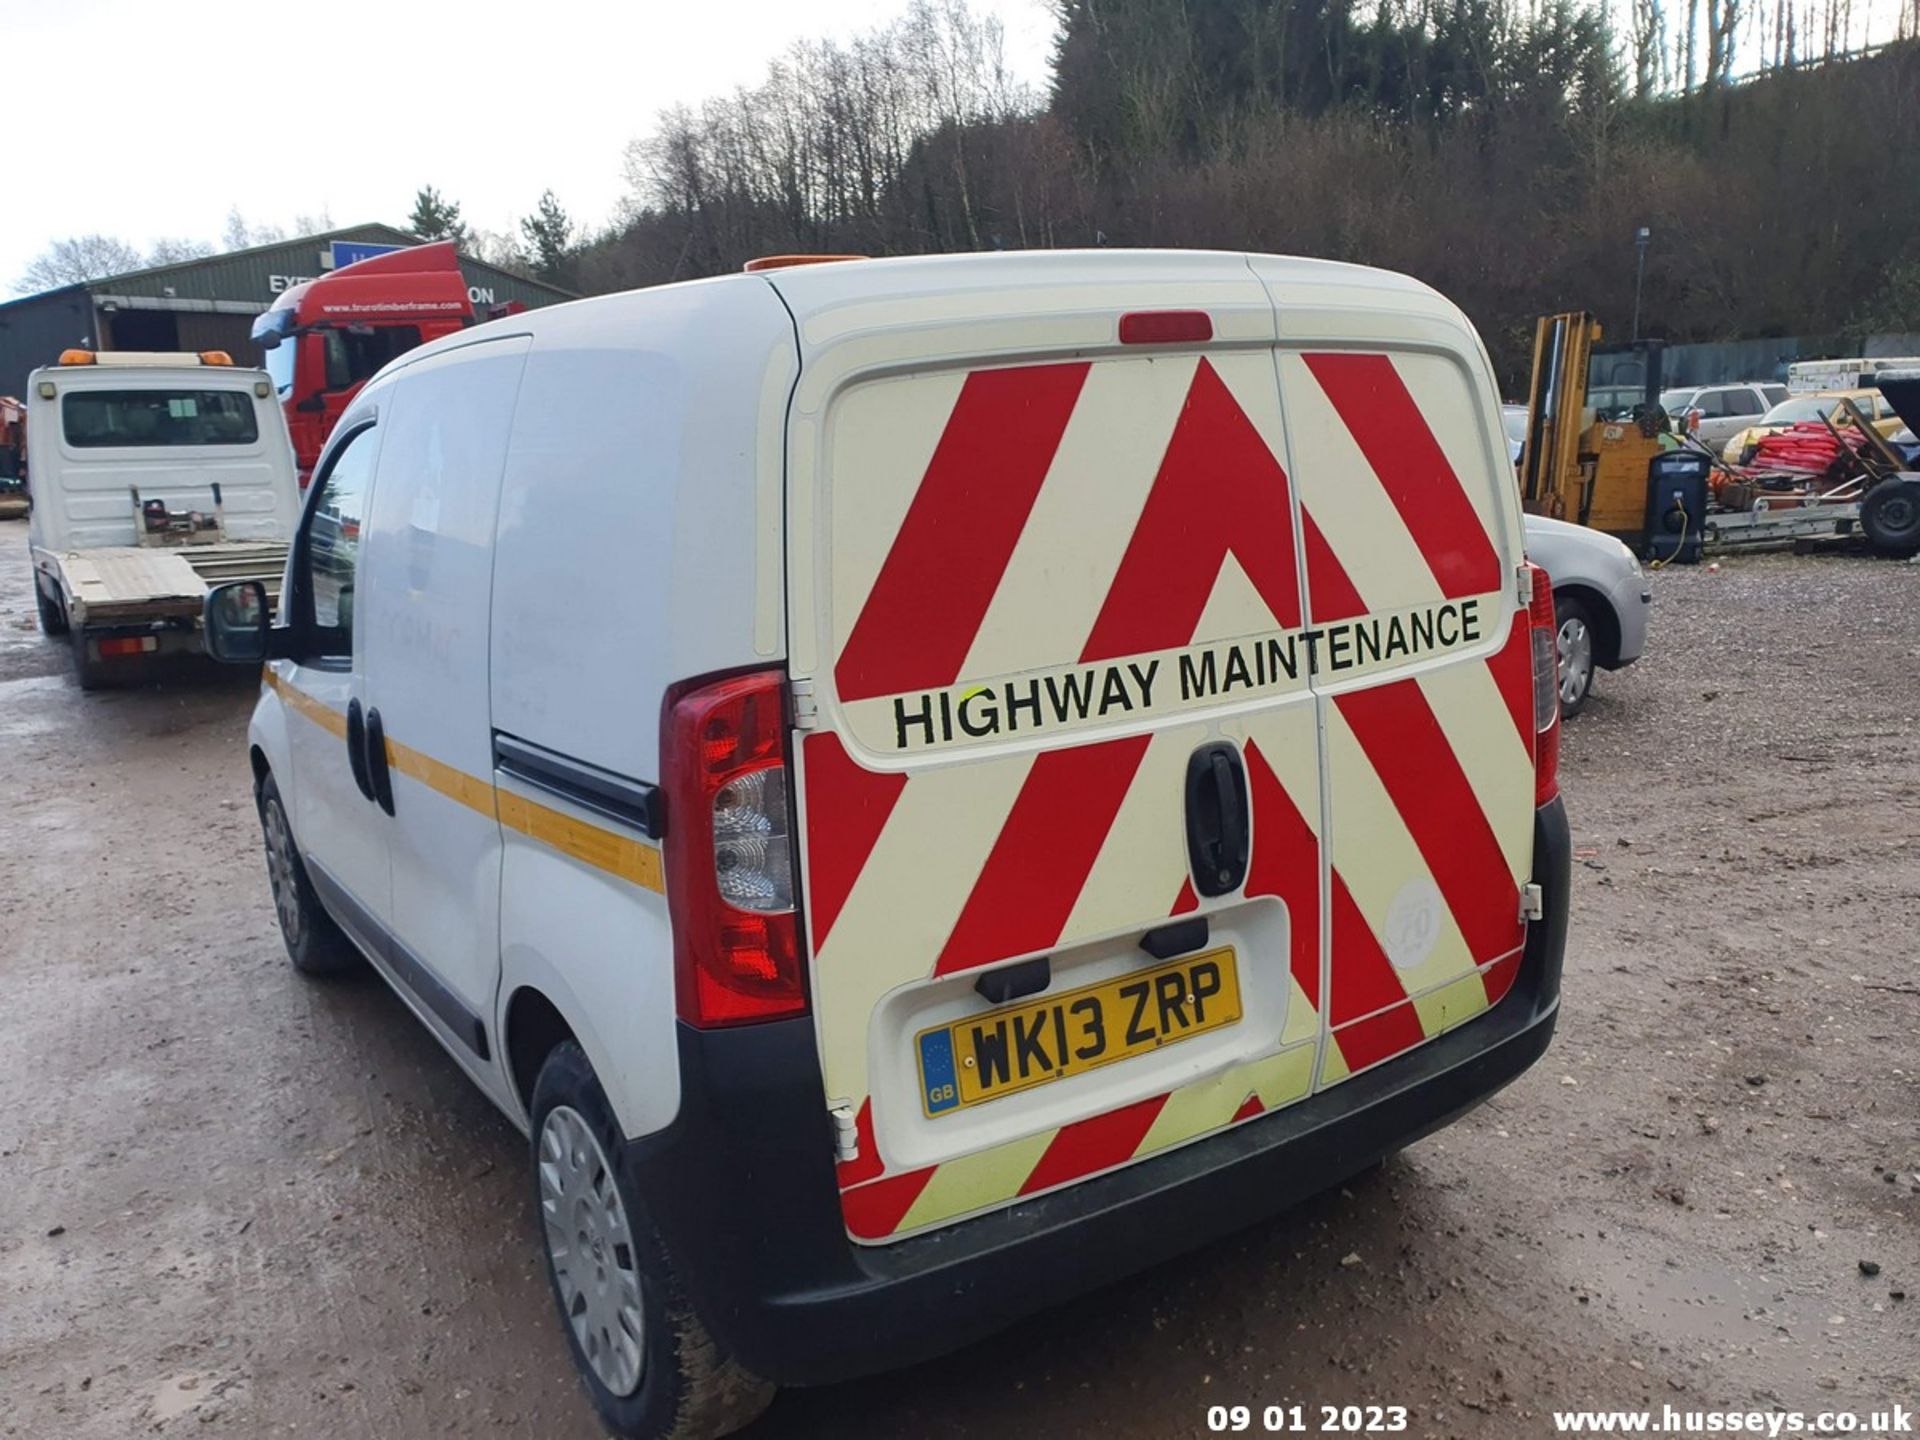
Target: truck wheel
[
  {"x": 314, "y": 943},
  {"x": 1891, "y": 516},
  {"x": 1575, "y": 647},
  {"x": 53, "y": 615},
  {"x": 93, "y": 674},
  {"x": 645, "y": 1357}
]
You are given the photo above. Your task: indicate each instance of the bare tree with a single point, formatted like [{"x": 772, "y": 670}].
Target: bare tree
[
  {"x": 239, "y": 235},
  {"x": 1649, "y": 46},
  {"x": 172, "y": 250},
  {"x": 1723, "y": 20},
  {"x": 77, "y": 259}
]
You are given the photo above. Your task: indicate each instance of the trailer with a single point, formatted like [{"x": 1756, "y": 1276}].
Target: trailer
[
  {"x": 157, "y": 477},
  {"x": 1865, "y": 490}
]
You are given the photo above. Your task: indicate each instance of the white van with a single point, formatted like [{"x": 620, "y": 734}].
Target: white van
[
  {"x": 1809, "y": 377},
  {"x": 155, "y": 475},
  {"x": 923, "y": 785}
]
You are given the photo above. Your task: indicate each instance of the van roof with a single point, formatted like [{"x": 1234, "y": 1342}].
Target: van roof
[{"x": 811, "y": 290}]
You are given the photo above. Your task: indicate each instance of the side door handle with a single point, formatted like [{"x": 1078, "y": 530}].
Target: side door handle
[
  {"x": 377, "y": 769},
  {"x": 357, "y": 749},
  {"x": 1218, "y": 825}
]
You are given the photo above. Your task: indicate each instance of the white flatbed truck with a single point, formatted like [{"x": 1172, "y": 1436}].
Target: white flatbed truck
[{"x": 156, "y": 477}]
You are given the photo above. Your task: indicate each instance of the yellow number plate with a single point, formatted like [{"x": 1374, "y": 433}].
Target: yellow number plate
[{"x": 1005, "y": 1051}]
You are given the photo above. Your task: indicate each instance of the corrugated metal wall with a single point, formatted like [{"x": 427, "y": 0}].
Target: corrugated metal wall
[
  {"x": 34, "y": 332},
  {"x": 257, "y": 277},
  {"x": 1768, "y": 359}
]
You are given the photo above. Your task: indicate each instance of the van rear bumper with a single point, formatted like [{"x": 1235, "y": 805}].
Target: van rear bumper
[{"x": 741, "y": 1185}]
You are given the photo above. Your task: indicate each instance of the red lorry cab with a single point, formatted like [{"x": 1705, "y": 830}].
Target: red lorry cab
[{"x": 325, "y": 338}]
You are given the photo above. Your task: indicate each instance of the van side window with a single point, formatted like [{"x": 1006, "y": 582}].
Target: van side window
[{"x": 330, "y": 557}]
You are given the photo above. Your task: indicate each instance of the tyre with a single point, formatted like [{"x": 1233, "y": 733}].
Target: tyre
[
  {"x": 53, "y": 615},
  {"x": 93, "y": 674},
  {"x": 1891, "y": 516},
  {"x": 1575, "y": 649},
  {"x": 314, "y": 943},
  {"x": 646, "y": 1359}
]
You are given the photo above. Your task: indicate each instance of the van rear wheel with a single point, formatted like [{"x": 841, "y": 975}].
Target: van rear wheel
[
  {"x": 645, "y": 1357},
  {"x": 314, "y": 943}
]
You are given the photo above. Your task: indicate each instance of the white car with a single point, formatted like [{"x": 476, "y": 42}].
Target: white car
[
  {"x": 853, "y": 760},
  {"x": 1601, "y": 602}
]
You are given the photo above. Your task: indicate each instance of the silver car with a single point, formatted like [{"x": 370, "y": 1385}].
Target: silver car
[
  {"x": 1723, "y": 411},
  {"x": 1601, "y": 600}
]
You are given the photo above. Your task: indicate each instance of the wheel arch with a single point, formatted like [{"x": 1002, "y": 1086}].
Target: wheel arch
[
  {"x": 1606, "y": 624},
  {"x": 530, "y": 1028},
  {"x": 539, "y": 1008}
]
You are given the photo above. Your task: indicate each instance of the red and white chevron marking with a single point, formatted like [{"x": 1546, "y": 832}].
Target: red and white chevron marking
[{"x": 1091, "y": 512}]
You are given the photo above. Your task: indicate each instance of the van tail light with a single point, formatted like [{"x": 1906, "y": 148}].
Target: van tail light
[
  {"x": 729, "y": 850},
  {"x": 1544, "y": 633}
]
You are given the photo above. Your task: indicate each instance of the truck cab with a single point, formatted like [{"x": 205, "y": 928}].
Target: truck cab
[{"x": 325, "y": 338}]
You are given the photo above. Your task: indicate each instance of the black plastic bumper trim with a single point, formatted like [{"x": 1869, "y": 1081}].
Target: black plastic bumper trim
[{"x": 741, "y": 1185}]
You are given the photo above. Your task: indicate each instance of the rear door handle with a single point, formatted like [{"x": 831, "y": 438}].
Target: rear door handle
[
  {"x": 357, "y": 749},
  {"x": 378, "y": 770},
  {"x": 1218, "y": 826}
]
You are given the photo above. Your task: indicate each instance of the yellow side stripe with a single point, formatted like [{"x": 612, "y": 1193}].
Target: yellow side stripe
[
  {"x": 325, "y": 716},
  {"x": 619, "y": 855}
]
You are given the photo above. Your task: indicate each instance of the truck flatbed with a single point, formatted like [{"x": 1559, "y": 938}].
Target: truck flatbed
[{"x": 122, "y": 583}]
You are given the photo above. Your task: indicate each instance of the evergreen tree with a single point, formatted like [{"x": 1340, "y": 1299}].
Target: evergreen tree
[
  {"x": 549, "y": 232},
  {"x": 437, "y": 218}
]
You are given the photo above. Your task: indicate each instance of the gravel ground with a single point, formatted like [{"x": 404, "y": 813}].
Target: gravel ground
[{"x": 235, "y": 1202}]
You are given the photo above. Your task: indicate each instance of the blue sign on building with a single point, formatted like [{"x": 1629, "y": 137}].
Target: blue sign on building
[{"x": 345, "y": 252}]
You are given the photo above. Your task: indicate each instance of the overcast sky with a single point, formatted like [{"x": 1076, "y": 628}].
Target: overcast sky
[{"x": 151, "y": 118}]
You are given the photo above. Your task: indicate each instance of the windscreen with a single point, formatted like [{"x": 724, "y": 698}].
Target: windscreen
[
  {"x": 280, "y": 363},
  {"x": 1804, "y": 407},
  {"x": 141, "y": 419}
]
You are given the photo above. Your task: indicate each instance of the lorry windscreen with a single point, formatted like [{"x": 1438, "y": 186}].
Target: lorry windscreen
[
  {"x": 138, "y": 419},
  {"x": 280, "y": 365}
]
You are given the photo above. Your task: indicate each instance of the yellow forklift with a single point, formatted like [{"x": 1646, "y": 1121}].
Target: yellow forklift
[{"x": 1594, "y": 426}]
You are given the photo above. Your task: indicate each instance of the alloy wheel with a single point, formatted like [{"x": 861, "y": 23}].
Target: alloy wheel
[
  {"x": 280, "y": 869},
  {"x": 1576, "y": 660}
]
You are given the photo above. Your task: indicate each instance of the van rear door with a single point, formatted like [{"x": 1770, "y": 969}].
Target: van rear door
[
  {"x": 1046, "y": 600},
  {"x": 1410, "y": 524}
]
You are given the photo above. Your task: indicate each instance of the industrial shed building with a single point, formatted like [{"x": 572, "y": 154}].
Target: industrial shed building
[{"x": 209, "y": 304}]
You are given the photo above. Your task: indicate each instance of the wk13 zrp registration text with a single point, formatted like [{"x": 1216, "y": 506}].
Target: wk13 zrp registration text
[{"x": 1309, "y": 1419}]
